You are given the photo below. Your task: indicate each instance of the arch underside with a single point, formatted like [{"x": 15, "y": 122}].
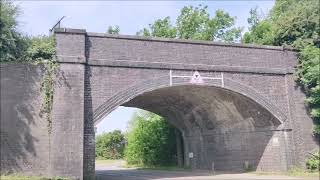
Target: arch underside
[
  {"x": 161, "y": 83},
  {"x": 205, "y": 108}
]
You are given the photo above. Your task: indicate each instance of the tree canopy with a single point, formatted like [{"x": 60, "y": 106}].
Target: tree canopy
[
  {"x": 12, "y": 44},
  {"x": 110, "y": 145},
  {"x": 290, "y": 22},
  {"x": 16, "y": 47},
  {"x": 113, "y": 30},
  {"x": 196, "y": 23}
]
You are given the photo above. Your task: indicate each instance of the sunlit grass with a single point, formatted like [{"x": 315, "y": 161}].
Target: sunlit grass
[
  {"x": 294, "y": 172},
  {"x": 107, "y": 161},
  {"x": 164, "y": 168}
]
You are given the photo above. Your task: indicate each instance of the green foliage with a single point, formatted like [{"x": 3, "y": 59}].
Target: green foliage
[
  {"x": 151, "y": 141},
  {"x": 295, "y": 23},
  {"x": 12, "y": 44},
  {"x": 309, "y": 69},
  {"x": 110, "y": 145},
  {"x": 196, "y": 23},
  {"x": 313, "y": 163},
  {"x": 160, "y": 28},
  {"x": 290, "y": 22},
  {"x": 15, "y": 47},
  {"x": 260, "y": 31},
  {"x": 41, "y": 48},
  {"x": 113, "y": 30},
  {"x": 47, "y": 90},
  {"x": 309, "y": 77},
  {"x": 316, "y": 128}
]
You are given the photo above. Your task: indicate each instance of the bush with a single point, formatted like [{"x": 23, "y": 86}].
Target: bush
[
  {"x": 110, "y": 145},
  {"x": 151, "y": 141},
  {"x": 313, "y": 163}
]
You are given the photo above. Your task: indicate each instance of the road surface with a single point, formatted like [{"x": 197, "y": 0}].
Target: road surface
[{"x": 115, "y": 171}]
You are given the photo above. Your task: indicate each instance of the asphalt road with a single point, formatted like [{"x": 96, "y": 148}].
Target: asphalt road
[{"x": 115, "y": 171}]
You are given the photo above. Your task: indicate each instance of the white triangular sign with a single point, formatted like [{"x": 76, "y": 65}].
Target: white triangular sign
[{"x": 196, "y": 78}]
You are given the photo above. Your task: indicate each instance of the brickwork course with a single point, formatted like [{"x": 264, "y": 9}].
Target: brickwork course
[{"x": 243, "y": 110}]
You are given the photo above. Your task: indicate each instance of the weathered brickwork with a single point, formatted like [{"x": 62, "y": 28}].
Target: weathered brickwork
[
  {"x": 68, "y": 122},
  {"x": 23, "y": 132},
  {"x": 248, "y": 113}
]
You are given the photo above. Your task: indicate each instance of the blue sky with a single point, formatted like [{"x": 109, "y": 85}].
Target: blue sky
[{"x": 37, "y": 17}]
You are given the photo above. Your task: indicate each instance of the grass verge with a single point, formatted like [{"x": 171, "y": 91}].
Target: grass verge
[
  {"x": 108, "y": 161},
  {"x": 294, "y": 172},
  {"x": 164, "y": 168}
]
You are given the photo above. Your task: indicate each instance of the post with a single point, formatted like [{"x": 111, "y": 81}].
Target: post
[
  {"x": 212, "y": 168},
  {"x": 179, "y": 149},
  {"x": 186, "y": 150}
]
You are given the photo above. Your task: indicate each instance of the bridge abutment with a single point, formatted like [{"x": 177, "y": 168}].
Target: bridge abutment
[{"x": 67, "y": 136}]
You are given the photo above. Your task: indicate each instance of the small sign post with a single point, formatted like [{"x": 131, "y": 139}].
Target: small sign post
[{"x": 212, "y": 167}]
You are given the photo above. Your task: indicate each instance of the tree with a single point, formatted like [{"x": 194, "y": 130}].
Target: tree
[
  {"x": 254, "y": 18},
  {"x": 19, "y": 48},
  {"x": 295, "y": 23},
  {"x": 160, "y": 28},
  {"x": 12, "y": 44},
  {"x": 196, "y": 23},
  {"x": 259, "y": 30},
  {"x": 113, "y": 30},
  {"x": 40, "y": 48},
  {"x": 110, "y": 145},
  {"x": 151, "y": 141},
  {"x": 290, "y": 22}
]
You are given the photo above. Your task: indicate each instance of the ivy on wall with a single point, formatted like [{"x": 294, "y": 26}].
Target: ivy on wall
[
  {"x": 47, "y": 91},
  {"x": 41, "y": 51}
]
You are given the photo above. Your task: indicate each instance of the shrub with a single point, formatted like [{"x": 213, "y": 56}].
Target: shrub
[{"x": 313, "y": 163}]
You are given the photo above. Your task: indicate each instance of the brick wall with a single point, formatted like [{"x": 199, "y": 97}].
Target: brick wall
[{"x": 23, "y": 132}]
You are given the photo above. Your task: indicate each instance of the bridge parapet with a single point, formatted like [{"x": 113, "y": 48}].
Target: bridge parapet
[{"x": 79, "y": 46}]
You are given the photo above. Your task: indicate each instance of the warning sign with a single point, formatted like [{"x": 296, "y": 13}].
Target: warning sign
[{"x": 196, "y": 78}]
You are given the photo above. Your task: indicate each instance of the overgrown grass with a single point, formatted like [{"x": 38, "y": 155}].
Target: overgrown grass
[
  {"x": 294, "y": 172},
  {"x": 164, "y": 168},
  {"x": 299, "y": 172},
  {"x": 20, "y": 177}
]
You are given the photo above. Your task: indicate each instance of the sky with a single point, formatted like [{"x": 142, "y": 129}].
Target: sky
[{"x": 37, "y": 17}]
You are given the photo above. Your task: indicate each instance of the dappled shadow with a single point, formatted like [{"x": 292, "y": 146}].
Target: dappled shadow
[
  {"x": 300, "y": 89},
  {"x": 20, "y": 120}
]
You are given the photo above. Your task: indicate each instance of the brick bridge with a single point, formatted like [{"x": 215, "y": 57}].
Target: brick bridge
[{"x": 235, "y": 105}]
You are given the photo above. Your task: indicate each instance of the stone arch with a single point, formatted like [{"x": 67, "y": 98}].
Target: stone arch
[{"x": 162, "y": 82}]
